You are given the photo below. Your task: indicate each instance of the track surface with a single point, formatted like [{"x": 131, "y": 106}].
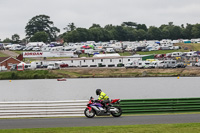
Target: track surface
[{"x": 97, "y": 121}]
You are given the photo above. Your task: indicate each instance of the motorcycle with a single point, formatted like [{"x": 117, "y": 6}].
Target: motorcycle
[{"x": 95, "y": 107}]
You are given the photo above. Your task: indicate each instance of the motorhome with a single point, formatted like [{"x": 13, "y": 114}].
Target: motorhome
[
  {"x": 143, "y": 64},
  {"x": 131, "y": 64},
  {"x": 154, "y": 64}
]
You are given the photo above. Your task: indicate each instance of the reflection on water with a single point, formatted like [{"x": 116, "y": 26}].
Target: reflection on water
[{"x": 82, "y": 89}]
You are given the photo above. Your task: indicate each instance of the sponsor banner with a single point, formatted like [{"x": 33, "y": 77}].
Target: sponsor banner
[{"x": 48, "y": 54}]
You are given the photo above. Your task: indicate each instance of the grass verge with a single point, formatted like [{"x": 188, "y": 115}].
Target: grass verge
[
  {"x": 30, "y": 74},
  {"x": 97, "y": 73},
  {"x": 156, "y": 128}
]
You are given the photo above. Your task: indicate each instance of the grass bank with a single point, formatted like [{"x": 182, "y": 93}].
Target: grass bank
[
  {"x": 157, "y": 128},
  {"x": 99, "y": 73},
  {"x": 122, "y": 72},
  {"x": 31, "y": 74}
]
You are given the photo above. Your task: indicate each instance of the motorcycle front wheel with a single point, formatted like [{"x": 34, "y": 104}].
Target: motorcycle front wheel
[
  {"x": 117, "y": 113},
  {"x": 89, "y": 114}
]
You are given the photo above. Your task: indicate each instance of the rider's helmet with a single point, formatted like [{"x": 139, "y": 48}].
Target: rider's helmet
[{"x": 98, "y": 91}]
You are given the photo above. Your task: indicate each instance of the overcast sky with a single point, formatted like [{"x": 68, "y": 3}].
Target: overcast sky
[{"x": 15, "y": 14}]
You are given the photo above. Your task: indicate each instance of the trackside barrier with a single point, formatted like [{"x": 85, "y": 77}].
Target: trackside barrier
[
  {"x": 175, "y": 105},
  {"x": 42, "y": 108},
  {"x": 20, "y": 109}
]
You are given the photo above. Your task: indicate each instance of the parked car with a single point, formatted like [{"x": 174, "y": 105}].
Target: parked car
[
  {"x": 160, "y": 55},
  {"x": 63, "y": 65},
  {"x": 168, "y": 55}
]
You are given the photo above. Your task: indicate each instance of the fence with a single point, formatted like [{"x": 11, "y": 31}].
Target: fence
[
  {"x": 175, "y": 105},
  {"x": 76, "y": 107}
]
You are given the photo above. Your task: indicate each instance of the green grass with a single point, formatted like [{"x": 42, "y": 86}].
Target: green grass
[
  {"x": 190, "y": 46},
  {"x": 28, "y": 74},
  {"x": 161, "y": 52},
  {"x": 19, "y": 52},
  {"x": 3, "y": 55},
  {"x": 157, "y": 128}
]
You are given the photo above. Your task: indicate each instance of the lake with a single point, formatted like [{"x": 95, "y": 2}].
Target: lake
[{"x": 83, "y": 88}]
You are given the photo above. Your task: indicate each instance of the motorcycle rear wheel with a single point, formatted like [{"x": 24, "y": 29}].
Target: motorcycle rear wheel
[
  {"x": 118, "y": 113},
  {"x": 89, "y": 114}
]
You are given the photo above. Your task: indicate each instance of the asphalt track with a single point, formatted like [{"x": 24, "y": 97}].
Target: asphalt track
[{"x": 97, "y": 121}]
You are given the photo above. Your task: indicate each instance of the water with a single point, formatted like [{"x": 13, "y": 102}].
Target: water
[{"x": 82, "y": 89}]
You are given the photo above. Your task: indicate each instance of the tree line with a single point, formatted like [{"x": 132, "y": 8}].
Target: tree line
[{"x": 41, "y": 28}]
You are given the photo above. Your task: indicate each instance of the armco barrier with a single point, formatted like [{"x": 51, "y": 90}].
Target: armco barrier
[
  {"x": 42, "y": 108},
  {"x": 139, "y": 106},
  {"x": 76, "y": 107}
]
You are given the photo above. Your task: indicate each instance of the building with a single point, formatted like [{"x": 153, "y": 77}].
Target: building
[{"x": 8, "y": 62}]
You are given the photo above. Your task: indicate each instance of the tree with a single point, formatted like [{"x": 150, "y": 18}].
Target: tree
[
  {"x": 70, "y": 27},
  {"x": 96, "y": 34},
  {"x": 78, "y": 35},
  {"x": 196, "y": 31},
  {"x": 95, "y": 26},
  {"x": 142, "y": 26},
  {"x": 129, "y": 24},
  {"x": 39, "y": 37},
  {"x": 154, "y": 33},
  {"x": 165, "y": 33},
  {"x": 187, "y": 31},
  {"x": 41, "y": 23},
  {"x": 15, "y": 38},
  {"x": 141, "y": 34},
  {"x": 7, "y": 40},
  {"x": 175, "y": 32}
]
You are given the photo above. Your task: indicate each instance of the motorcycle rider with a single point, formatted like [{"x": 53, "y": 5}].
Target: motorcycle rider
[{"x": 103, "y": 98}]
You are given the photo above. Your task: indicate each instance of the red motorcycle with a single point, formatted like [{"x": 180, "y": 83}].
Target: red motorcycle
[{"x": 96, "y": 108}]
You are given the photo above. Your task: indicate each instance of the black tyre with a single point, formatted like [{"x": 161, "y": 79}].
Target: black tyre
[
  {"x": 117, "y": 113},
  {"x": 89, "y": 114}
]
